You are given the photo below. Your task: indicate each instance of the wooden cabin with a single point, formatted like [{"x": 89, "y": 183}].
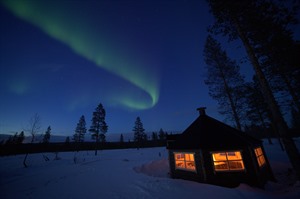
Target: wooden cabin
[{"x": 210, "y": 151}]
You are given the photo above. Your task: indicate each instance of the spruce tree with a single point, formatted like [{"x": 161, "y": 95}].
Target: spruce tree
[
  {"x": 47, "y": 135},
  {"x": 161, "y": 134},
  {"x": 67, "y": 140},
  {"x": 154, "y": 136},
  {"x": 80, "y": 130},
  {"x": 121, "y": 138},
  {"x": 15, "y": 138},
  {"x": 21, "y": 138},
  {"x": 98, "y": 127},
  {"x": 139, "y": 132}
]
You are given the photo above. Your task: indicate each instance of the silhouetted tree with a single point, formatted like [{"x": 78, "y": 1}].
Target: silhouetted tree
[
  {"x": 257, "y": 112},
  {"x": 67, "y": 141},
  {"x": 121, "y": 138},
  {"x": 98, "y": 127},
  {"x": 21, "y": 138},
  {"x": 226, "y": 84},
  {"x": 80, "y": 130},
  {"x": 154, "y": 136},
  {"x": 139, "y": 132},
  {"x": 15, "y": 138},
  {"x": 47, "y": 135},
  {"x": 33, "y": 128},
  {"x": 249, "y": 20},
  {"x": 295, "y": 123},
  {"x": 9, "y": 140},
  {"x": 161, "y": 134}
]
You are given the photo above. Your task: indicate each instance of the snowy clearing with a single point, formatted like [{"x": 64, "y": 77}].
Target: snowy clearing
[{"x": 128, "y": 173}]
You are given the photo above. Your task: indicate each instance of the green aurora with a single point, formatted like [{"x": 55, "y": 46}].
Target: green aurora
[{"x": 104, "y": 48}]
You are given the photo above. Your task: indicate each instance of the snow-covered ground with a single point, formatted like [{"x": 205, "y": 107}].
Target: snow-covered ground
[{"x": 129, "y": 173}]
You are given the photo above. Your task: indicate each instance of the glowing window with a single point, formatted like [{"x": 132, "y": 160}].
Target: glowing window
[
  {"x": 185, "y": 161},
  {"x": 260, "y": 156},
  {"x": 228, "y": 161}
]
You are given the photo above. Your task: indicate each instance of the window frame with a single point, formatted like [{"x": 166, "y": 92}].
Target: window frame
[
  {"x": 259, "y": 156},
  {"x": 184, "y": 161},
  {"x": 227, "y": 161}
]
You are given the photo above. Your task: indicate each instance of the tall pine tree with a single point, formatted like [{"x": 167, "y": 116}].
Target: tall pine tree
[
  {"x": 248, "y": 20},
  {"x": 224, "y": 80},
  {"x": 98, "y": 127}
]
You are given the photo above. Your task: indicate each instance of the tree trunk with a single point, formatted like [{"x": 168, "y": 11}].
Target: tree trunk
[
  {"x": 24, "y": 161},
  {"x": 96, "y": 145},
  {"x": 233, "y": 107},
  {"x": 291, "y": 91},
  {"x": 264, "y": 126},
  {"x": 282, "y": 127}
]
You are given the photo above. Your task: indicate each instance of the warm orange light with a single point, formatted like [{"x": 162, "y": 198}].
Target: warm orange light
[
  {"x": 260, "y": 156},
  {"x": 225, "y": 161},
  {"x": 185, "y": 161}
]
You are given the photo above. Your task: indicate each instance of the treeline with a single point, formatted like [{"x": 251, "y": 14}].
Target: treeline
[{"x": 15, "y": 149}]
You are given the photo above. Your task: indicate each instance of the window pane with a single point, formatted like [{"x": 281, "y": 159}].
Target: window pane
[
  {"x": 225, "y": 161},
  {"x": 179, "y": 164},
  {"x": 219, "y": 156},
  {"x": 179, "y": 156},
  {"x": 236, "y": 165},
  {"x": 236, "y": 155},
  {"x": 221, "y": 166},
  {"x": 184, "y": 161},
  {"x": 260, "y": 156},
  {"x": 190, "y": 165},
  {"x": 261, "y": 160},
  {"x": 258, "y": 151},
  {"x": 189, "y": 157}
]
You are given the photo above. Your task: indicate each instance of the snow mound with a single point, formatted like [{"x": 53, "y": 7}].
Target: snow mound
[{"x": 157, "y": 168}]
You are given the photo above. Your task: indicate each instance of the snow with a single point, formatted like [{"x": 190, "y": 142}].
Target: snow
[{"x": 127, "y": 173}]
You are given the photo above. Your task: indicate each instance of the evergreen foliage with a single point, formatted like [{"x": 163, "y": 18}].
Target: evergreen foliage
[
  {"x": 139, "y": 132},
  {"x": 15, "y": 139},
  {"x": 224, "y": 81},
  {"x": 161, "y": 134},
  {"x": 67, "y": 141},
  {"x": 121, "y": 138},
  {"x": 80, "y": 130},
  {"x": 99, "y": 127},
  {"x": 256, "y": 24},
  {"x": 154, "y": 136},
  {"x": 47, "y": 135},
  {"x": 21, "y": 138}
]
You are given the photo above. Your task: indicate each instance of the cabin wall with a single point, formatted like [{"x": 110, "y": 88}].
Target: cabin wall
[
  {"x": 225, "y": 178},
  {"x": 198, "y": 175},
  {"x": 252, "y": 175},
  {"x": 264, "y": 173}
]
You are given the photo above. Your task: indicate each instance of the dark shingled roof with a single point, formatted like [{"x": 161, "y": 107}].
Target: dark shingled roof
[{"x": 208, "y": 133}]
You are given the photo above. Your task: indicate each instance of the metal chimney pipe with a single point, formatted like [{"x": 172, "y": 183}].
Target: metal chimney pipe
[{"x": 201, "y": 110}]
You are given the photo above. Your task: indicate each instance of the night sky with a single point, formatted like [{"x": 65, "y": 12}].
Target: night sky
[{"x": 60, "y": 59}]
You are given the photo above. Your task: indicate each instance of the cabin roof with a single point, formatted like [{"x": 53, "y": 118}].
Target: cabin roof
[{"x": 206, "y": 132}]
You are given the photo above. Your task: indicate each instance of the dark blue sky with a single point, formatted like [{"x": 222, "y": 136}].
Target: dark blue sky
[{"x": 60, "y": 59}]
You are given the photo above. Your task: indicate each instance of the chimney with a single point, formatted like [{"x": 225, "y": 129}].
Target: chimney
[{"x": 201, "y": 110}]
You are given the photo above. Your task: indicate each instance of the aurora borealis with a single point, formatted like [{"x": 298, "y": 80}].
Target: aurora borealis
[
  {"x": 138, "y": 58},
  {"x": 104, "y": 52}
]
